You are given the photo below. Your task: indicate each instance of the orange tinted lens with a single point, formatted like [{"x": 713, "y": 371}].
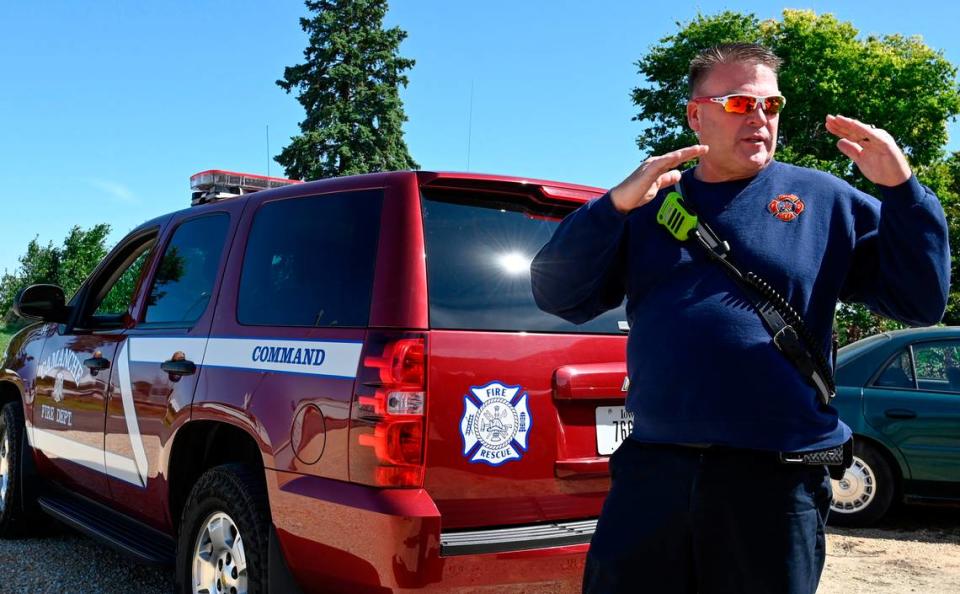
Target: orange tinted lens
[
  {"x": 740, "y": 104},
  {"x": 773, "y": 105}
]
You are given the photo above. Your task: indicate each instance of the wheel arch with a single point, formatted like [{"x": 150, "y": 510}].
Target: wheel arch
[
  {"x": 9, "y": 392},
  {"x": 199, "y": 446},
  {"x": 897, "y": 466}
]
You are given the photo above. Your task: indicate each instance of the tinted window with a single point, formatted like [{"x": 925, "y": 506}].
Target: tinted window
[
  {"x": 938, "y": 366},
  {"x": 119, "y": 297},
  {"x": 478, "y": 267},
  {"x": 183, "y": 282},
  {"x": 310, "y": 261},
  {"x": 897, "y": 374}
]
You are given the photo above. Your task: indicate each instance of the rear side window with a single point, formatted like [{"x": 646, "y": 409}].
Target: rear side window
[
  {"x": 479, "y": 250},
  {"x": 183, "y": 282},
  {"x": 898, "y": 374},
  {"x": 938, "y": 366},
  {"x": 310, "y": 261}
]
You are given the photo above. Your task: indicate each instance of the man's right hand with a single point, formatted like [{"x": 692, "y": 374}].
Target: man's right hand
[{"x": 655, "y": 173}]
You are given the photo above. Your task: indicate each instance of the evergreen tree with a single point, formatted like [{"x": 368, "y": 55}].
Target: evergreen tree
[{"x": 349, "y": 86}]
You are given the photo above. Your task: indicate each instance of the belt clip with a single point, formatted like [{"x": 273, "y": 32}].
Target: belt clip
[{"x": 708, "y": 239}]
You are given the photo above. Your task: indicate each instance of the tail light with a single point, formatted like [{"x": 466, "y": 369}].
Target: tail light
[{"x": 388, "y": 414}]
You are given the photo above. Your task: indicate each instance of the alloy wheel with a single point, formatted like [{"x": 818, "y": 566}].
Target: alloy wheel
[{"x": 219, "y": 564}]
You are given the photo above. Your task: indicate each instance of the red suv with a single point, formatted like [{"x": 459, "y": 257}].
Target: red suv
[{"x": 337, "y": 386}]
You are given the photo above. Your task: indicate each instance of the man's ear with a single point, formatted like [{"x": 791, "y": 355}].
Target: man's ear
[{"x": 693, "y": 116}]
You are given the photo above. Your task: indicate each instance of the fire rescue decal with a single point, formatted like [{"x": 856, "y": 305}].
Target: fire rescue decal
[{"x": 495, "y": 423}]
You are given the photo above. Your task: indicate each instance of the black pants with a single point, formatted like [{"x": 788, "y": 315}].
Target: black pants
[{"x": 684, "y": 519}]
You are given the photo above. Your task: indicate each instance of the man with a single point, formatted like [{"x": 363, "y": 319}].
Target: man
[{"x": 701, "y": 499}]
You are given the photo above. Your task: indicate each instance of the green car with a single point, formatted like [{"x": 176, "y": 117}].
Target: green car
[{"x": 900, "y": 394}]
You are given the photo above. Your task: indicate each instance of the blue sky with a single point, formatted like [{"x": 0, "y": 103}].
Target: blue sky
[{"x": 108, "y": 107}]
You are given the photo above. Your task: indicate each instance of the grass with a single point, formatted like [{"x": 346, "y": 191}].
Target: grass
[{"x": 6, "y": 333}]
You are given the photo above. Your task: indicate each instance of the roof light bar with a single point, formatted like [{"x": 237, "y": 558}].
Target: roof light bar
[{"x": 216, "y": 184}]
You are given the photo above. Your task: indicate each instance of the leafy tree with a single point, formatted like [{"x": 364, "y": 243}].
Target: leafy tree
[
  {"x": 943, "y": 177},
  {"x": 39, "y": 264},
  {"x": 893, "y": 81},
  {"x": 66, "y": 266},
  {"x": 349, "y": 86},
  {"x": 80, "y": 254},
  {"x": 120, "y": 296}
]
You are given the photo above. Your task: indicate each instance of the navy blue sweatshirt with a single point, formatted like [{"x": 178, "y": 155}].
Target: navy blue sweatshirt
[{"x": 702, "y": 365}]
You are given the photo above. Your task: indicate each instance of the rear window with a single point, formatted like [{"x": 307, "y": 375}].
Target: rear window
[
  {"x": 479, "y": 250},
  {"x": 848, "y": 353},
  {"x": 310, "y": 261}
]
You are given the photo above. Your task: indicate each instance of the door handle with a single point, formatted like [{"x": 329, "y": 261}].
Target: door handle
[
  {"x": 178, "y": 366},
  {"x": 900, "y": 413},
  {"x": 96, "y": 363}
]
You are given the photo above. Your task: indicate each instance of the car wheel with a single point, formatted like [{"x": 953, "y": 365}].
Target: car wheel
[
  {"x": 224, "y": 534},
  {"x": 865, "y": 492},
  {"x": 15, "y": 514}
]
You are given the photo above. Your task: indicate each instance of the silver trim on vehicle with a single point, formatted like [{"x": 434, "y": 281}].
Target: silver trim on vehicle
[{"x": 517, "y": 538}]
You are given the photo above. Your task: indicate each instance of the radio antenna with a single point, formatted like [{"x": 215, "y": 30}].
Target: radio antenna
[{"x": 470, "y": 126}]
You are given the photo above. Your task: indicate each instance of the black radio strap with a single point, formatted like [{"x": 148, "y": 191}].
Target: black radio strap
[{"x": 790, "y": 334}]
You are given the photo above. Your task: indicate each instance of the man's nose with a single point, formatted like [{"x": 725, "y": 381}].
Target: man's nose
[
  {"x": 758, "y": 117},
  {"x": 761, "y": 116}
]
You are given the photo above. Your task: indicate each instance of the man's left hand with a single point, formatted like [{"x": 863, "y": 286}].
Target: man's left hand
[{"x": 873, "y": 150}]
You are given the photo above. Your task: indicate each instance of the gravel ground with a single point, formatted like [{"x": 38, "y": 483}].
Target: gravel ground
[
  {"x": 69, "y": 562},
  {"x": 917, "y": 549},
  {"x": 914, "y": 549}
]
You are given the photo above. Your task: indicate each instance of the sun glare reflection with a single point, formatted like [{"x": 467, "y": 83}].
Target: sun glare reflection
[{"x": 514, "y": 263}]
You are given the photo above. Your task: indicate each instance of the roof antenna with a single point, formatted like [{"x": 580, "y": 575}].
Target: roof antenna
[
  {"x": 268, "y": 150},
  {"x": 470, "y": 126}
]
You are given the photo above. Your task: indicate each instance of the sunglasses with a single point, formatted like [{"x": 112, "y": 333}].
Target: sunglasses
[{"x": 746, "y": 103}]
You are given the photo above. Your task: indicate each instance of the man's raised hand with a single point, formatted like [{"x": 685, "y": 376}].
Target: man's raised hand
[
  {"x": 873, "y": 150},
  {"x": 653, "y": 174}
]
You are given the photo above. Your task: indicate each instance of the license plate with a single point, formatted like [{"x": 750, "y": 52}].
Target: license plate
[{"x": 614, "y": 424}]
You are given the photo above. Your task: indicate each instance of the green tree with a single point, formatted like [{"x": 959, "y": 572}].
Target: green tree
[
  {"x": 66, "y": 266},
  {"x": 349, "y": 87},
  {"x": 893, "y": 81},
  {"x": 81, "y": 252},
  {"x": 38, "y": 265},
  {"x": 943, "y": 177}
]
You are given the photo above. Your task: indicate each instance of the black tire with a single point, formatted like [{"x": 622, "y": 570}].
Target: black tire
[
  {"x": 17, "y": 517},
  {"x": 238, "y": 492},
  {"x": 872, "y": 479}
]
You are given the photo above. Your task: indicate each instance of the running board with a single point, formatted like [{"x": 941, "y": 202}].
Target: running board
[
  {"x": 129, "y": 536},
  {"x": 517, "y": 538}
]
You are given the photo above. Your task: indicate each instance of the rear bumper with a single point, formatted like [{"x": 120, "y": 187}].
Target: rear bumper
[{"x": 341, "y": 537}]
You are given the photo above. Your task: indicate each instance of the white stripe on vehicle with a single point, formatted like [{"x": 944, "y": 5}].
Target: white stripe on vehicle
[
  {"x": 129, "y": 411},
  {"x": 123, "y": 468},
  {"x": 335, "y": 359},
  {"x": 55, "y": 445},
  {"x": 157, "y": 349},
  {"x": 321, "y": 358}
]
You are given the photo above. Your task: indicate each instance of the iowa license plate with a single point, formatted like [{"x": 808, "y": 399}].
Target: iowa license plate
[{"x": 614, "y": 425}]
